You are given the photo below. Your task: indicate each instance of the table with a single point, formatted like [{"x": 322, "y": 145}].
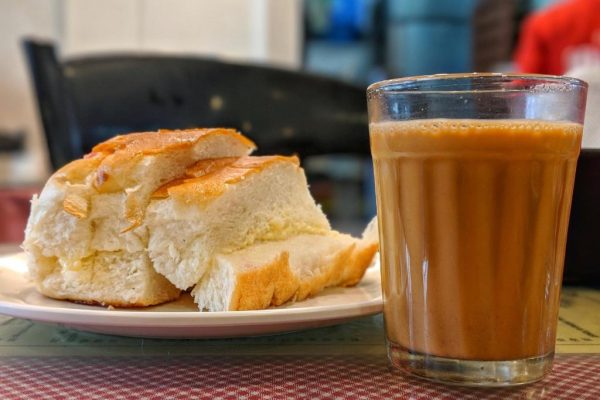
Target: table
[
  {"x": 347, "y": 361},
  {"x": 340, "y": 362}
]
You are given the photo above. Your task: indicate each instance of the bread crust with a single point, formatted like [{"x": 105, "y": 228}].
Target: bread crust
[
  {"x": 208, "y": 179},
  {"x": 273, "y": 283},
  {"x": 112, "y": 166},
  {"x": 121, "y": 152}
]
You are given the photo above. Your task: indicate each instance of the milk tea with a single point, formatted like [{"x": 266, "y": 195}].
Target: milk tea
[{"x": 473, "y": 218}]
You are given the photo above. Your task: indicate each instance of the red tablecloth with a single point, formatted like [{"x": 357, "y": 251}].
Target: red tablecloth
[{"x": 328, "y": 377}]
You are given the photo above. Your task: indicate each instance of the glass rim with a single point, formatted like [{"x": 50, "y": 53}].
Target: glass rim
[{"x": 404, "y": 83}]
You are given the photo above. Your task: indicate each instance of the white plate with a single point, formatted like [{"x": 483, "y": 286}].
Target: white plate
[{"x": 181, "y": 318}]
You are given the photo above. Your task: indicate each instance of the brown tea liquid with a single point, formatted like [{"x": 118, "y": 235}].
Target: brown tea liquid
[{"x": 473, "y": 217}]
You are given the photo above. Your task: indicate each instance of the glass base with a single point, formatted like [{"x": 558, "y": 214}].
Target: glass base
[{"x": 470, "y": 372}]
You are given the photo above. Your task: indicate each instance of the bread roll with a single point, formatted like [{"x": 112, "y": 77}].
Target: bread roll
[{"x": 84, "y": 240}]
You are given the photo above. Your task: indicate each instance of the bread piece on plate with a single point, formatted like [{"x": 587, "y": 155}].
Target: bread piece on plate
[
  {"x": 226, "y": 205},
  {"x": 87, "y": 220},
  {"x": 147, "y": 215},
  {"x": 139, "y": 163},
  {"x": 275, "y": 272},
  {"x": 120, "y": 279}
]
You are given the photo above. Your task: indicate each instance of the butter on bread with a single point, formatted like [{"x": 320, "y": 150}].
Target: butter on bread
[{"x": 147, "y": 215}]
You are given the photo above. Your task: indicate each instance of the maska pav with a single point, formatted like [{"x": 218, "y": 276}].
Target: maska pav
[{"x": 146, "y": 216}]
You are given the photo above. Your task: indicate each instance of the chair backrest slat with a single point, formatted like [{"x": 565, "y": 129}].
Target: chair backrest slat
[{"x": 86, "y": 100}]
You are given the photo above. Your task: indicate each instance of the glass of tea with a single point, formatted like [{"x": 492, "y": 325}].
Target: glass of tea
[{"x": 474, "y": 176}]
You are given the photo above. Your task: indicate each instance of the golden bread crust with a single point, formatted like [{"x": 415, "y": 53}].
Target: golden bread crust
[
  {"x": 110, "y": 164},
  {"x": 270, "y": 284},
  {"x": 162, "y": 140},
  {"x": 122, "y": 151},
  {"x": 274, "y": 283},
  {"x": 78, "y": 170},
  {"x": 208, "y": 179}
]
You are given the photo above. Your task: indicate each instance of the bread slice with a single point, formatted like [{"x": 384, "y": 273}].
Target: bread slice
[
  {"x": 225, "y": 205},
  {"x": 276, "y": 272},
  {"x": 90, "y": 212}
]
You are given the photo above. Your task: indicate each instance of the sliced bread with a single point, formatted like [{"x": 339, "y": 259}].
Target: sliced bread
[
  {"x": 221, "y": 206},
  {"x": 147, "y": 215},
  {"x": 275, "y": 272}
]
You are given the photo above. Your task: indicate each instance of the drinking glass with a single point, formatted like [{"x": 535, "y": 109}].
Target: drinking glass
[{"x": 474, "y": 177}]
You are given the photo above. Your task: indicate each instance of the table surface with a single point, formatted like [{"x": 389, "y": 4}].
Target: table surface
[
  {"x": 347, "y": 361},
  {"x": 340, "y": 362}
]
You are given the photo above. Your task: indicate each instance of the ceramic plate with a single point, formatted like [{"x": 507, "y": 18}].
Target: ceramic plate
[{"x": 181, "y": 318}]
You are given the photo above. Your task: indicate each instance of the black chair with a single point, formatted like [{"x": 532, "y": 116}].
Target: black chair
[{"x": 87, "y": 100}]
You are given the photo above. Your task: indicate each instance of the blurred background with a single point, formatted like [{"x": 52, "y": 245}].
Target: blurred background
[{"x": 355, "y": 42}]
